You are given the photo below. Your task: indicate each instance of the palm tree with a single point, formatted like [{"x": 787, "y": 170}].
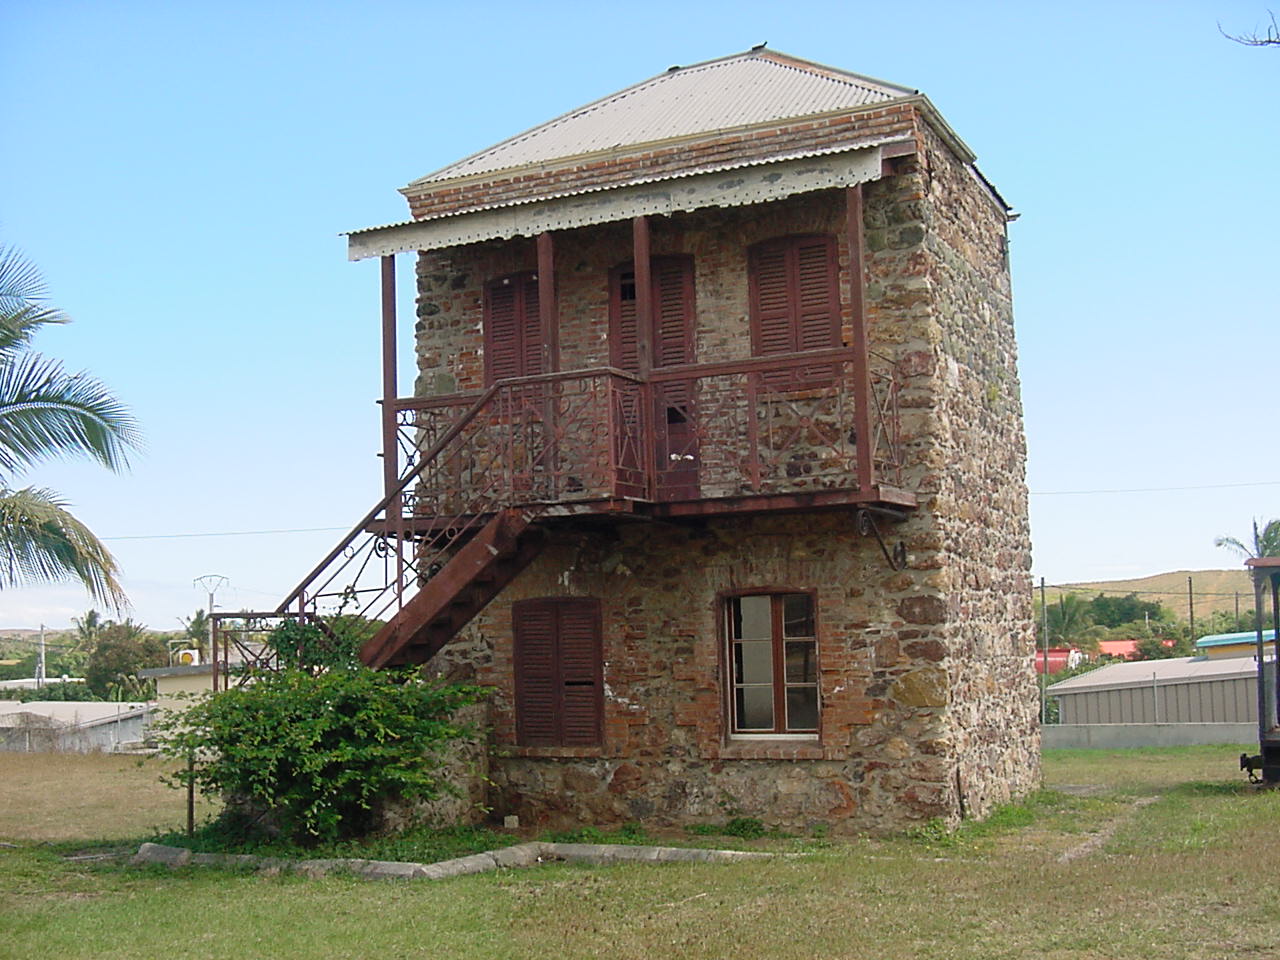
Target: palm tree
[
  {"x": 1266, "y": 542},
  {"x": 47, "y": 414}
]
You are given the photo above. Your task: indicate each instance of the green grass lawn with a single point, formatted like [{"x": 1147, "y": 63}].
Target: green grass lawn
[{"x": 1124, "y": 854}]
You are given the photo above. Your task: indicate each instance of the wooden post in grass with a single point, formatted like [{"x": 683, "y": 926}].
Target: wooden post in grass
[{"x": 191, "y": 794}]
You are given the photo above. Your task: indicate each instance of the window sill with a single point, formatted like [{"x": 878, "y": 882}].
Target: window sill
[
  {"x": 554, "y": 752},
  {"x": 771, "y": 749}
]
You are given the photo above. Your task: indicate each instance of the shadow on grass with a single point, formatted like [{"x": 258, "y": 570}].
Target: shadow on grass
[{"x": 1207, "y": 788}]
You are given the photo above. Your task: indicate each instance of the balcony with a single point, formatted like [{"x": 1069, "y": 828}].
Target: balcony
[{"x": 765, "y": 433}]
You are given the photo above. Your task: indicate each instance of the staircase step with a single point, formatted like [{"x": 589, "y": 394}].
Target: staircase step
[{"x": 473, "y": 576}]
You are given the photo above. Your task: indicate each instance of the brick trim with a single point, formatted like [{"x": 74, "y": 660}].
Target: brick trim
[{"x": 449, "y": 198}]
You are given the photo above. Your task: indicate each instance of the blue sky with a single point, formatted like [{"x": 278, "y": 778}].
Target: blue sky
[{"x": 181, "y": 173}]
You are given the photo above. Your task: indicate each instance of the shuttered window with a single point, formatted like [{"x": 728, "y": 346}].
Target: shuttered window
[
  {"x": 559, "y": 678},
  {"x": 673, "y": 307},
  {"x": 795, "y": 297},
  {"x": 512, "y": 334}
]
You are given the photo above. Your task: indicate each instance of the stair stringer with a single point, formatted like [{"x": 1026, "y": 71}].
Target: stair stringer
[{"x": 478, "y": 572}]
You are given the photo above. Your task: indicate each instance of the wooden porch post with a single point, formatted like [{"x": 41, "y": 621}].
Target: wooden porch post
[
  {"x": 644, "y": 351},
  {"x": 390, "y": 464},
  {"x": 862, "y": 396},
  {"x": 548, "y": 303},
  {"x": 644, "y": 295}
]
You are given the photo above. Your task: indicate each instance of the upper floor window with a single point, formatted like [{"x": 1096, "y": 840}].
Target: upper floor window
[
  {"x": 794, "y": 285},
  {"x": 512, "y": 332},
  {"x": 672, "y": 313},
  {"x": 772, "y": 649},
  {"x": 559, "y": 672}
]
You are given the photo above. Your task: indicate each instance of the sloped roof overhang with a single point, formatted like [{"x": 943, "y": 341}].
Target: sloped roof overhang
[{"x": 740, "y": 183}]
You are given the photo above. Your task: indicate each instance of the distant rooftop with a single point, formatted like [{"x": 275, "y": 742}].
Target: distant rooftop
[
  {"x": 1137, "y": 673},
  {"x": 755, "y": 87},
  {"x": 1228, "y": 639}
]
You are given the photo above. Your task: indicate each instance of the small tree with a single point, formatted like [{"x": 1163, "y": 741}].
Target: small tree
[
  {"x": 122, "y": 650},
  {"x": 319, "y": 753}
]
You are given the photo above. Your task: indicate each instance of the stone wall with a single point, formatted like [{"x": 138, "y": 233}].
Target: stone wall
[
  {"x": 928, "y": 694},
  {"x": 979, "y": 498},
  {"x": 882, "y": 751}
]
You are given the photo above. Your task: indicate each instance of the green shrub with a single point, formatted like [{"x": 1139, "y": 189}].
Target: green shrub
[
  {"x": 318, "y": 754},
  {"x": 310, "y": 646},
  {"x": 748, "y": 828}
]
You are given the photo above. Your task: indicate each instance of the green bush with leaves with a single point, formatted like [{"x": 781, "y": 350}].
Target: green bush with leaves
[{"x": 317, "y": 754}]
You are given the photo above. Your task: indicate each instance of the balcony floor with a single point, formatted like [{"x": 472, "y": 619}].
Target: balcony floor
[{"x": 890, "y": 499}]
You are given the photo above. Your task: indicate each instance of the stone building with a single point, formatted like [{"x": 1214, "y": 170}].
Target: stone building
[{"x": 714, "y": 466}]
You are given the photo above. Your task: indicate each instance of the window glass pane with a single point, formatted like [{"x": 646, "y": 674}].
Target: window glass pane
[
  {"x": 802, "y": 661},
  {"x": 755, "y": 708},
  {"x": 752, "y": 618},
  {"x": 797, "y": 615},
  {"x": 802, "y": 708},
  {"x": 753, "y": 662}
]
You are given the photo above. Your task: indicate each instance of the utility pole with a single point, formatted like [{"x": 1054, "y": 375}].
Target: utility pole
[
  {"x": 1191, "y": 609},
  {"x": 40, "y": 661},
  {"x": 211, "y": 583},
  {"x": 1044, "y": 644}
]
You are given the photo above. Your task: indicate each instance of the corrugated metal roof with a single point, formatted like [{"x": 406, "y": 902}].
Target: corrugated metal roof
[
  {"x": 758, "y": 86},
  {"x": 1138, "y": 673},
  {"x": 1230, "y": 639}
]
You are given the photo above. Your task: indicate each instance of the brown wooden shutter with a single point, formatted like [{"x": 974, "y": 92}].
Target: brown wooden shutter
[
  {"x": 534, "y": 622},
  {"x": 770, "y": 291},
  {"x": 530, "y": 328},
  {"x": 581, "y": 673},
  {"x": 623, "y": 343},
  {"x": 501, "y": 331},
  {"x": 512, "y": 334},
  {"x": 673, "y": 311},
  {"x": 559, "y": 676},
  {"x": 817, "y": 293}
]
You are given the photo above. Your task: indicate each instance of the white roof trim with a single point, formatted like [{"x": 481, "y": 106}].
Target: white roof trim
[{"x": 735, "y": 186}]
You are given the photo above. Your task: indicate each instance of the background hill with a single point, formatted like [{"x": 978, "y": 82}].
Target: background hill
[{"x": 1213, "y": 590}]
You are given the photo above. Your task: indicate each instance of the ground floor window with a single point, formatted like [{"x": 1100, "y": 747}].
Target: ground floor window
[
  {"x": 772, "y": 649},
  {"x": 559, "y": 677}
]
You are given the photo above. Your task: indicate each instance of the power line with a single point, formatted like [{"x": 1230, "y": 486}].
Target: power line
[
  {"x": 1086, "y": 588},
  {"x": 1205, "y": 486},
  {"x": 229, "y": 533}
]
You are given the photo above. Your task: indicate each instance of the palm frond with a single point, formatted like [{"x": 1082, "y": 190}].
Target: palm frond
[
  {"x": 23, "y": 309},
  {"x": 1266, "y": 541},
  {"x": 46, "y": 413},
  {"x": 1231, "y": 543},
  {"x": 41, "y": 542}
]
